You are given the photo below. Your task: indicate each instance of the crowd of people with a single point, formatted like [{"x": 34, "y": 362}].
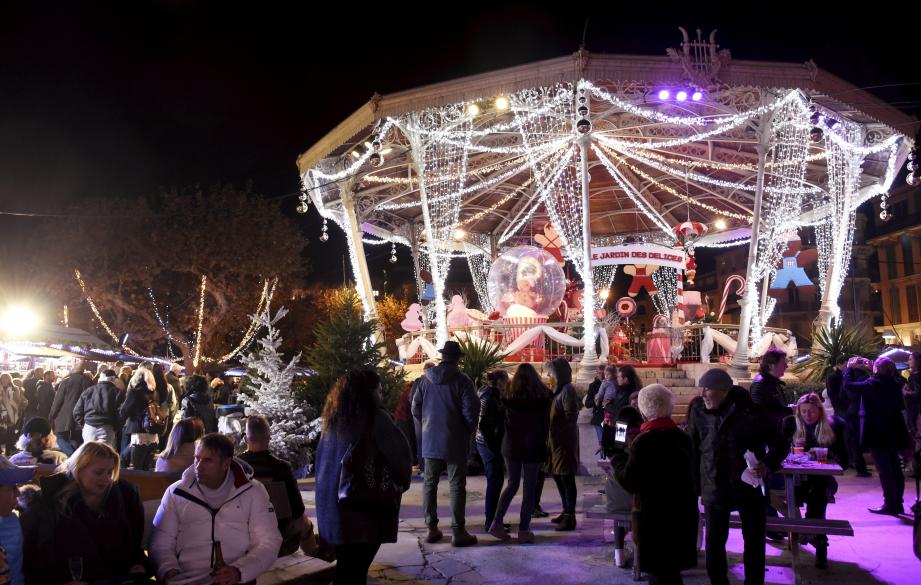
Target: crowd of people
[{"x": 218, "y": 524}]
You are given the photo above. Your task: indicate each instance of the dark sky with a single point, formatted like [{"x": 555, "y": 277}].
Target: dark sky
[{"x": 117, "y": 99}]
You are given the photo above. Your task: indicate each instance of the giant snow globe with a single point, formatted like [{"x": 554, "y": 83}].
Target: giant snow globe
[{"x": 526, "y": 282}]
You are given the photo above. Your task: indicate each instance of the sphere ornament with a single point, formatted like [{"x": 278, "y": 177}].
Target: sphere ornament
[{"x": 526, "y": 281}]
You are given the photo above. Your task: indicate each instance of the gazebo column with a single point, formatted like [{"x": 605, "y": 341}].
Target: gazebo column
[
  {"x": 590, "y": 361},
  {"x": 420, "y": 285},
  {"x": 357, "y": 251},
  {"x": 738, "y": 367}
]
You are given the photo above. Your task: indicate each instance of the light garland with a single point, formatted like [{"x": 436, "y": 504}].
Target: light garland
[
  {"x": 265, "y": 301},
  {"x": 479, "y": 265},
  {"x": 99, "y": 318},
  {"x": 684, "y": 161},
  {"x": 169, "y": 337},
  {"x": 498, "y": 204},
  {"x": 201, "y": 320},
  {"x": 666, "y": 298}
]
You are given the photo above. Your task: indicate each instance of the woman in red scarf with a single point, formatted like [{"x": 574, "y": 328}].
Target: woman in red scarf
[{"x": 656, "y": 467}]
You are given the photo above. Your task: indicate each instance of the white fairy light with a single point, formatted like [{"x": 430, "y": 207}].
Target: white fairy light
[
  {"x": 666, "y": 298},
  {"x": 201, "y": 320},
  {"x": 99, "y": 318}
]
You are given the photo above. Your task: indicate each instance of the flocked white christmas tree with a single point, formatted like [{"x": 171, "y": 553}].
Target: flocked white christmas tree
[{"x": 292, "y": 421}]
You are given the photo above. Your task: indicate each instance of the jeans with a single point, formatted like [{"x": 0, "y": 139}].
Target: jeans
[
  {"x": 752, "y": 513},
  {"x": 105, "y": 433},
  {"x": 891, "y": 478},
  {"x": 539, "y": 490},
  {"x": 409, "y": 431},
  {"x": 495, "y": 473},
  {"x": 68, "y": 441},
  {"x": 125, "y": 449},
  {"x": 142, "y": 457},
  {"x": 852, "y": 437},
  {"x": 598, "y": 433},
  {"x": 457, "y": 477},
  {"x": 353, "y": 561},
  {"x": 566, "y": 484},
  {"x": 517, "y": 469},
  {"x": 417, "y": 427}
]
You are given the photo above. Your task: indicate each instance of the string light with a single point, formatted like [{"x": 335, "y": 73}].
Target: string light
[
  {"x": 201, "y": 320},
  {"x": 169, "y": 337},
  {"x": 99, "y": 318},
  {"x": 665, "y": 280},
  {"x": 265, "y": 301}
]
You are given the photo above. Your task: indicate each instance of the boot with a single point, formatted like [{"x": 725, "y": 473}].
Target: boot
[
  {"x": 568, "y": 522},
  {"x": 538, "y": 512},
  {"x": 525, "y": 537},
  {"x": 821, "y": 556},
  {"x": 558, "y": 519},
  {"x": 463, "y": 538},
  {"x": 499, "y": 531},
  {"x": 434, "y": 535}
]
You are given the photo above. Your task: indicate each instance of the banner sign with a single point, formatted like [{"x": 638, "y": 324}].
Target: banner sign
[{"x": 653, "y": 254}]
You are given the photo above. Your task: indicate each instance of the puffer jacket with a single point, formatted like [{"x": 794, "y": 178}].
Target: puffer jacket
[
  {"x": 185, "y": 527},
  {"x": 200, "y": 405},
  {"x": 447, "y": 405},
  {"x": 65, "y": 398},
  {"x": 491, "y": 425},
  {"x": 720, "y": 438},
  {"x": 98, "y": 406}
]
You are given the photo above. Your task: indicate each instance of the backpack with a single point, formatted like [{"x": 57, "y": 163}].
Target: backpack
[{"x": 152, "y": 420}]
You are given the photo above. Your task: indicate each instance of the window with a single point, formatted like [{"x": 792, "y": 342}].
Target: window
[
  {"x": 908, "y": 258},
  {"x": 913, "y": 294},
  {"x": 891, "y": 270},
  {"x": 895, "y": 305}
]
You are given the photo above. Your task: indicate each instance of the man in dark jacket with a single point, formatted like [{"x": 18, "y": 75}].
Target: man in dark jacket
[
  {"x": 853, "y": 414},
  {"x": 97, "y": 410},
  {"x": 62, "y": 409},
  {"x": 724, "y": 423},
  {"x": 197, "y": 403},
  {"x": 44, "y": 392},
  {"x": 912, "y": 393},
  {"x": 447, "y": 405},
  {"x": 30, "y": 391},
  {"x": 834, "y": 387},
  {"x": 767, "y": 389}
]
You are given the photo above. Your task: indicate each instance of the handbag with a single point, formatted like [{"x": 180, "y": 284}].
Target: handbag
[{"x": 365, "y": 480}]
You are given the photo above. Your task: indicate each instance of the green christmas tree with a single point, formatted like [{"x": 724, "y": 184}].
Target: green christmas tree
[{"x": 345, "y": 342}]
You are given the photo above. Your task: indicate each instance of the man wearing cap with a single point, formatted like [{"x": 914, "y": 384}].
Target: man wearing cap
[
  {"x": 724, "y": 423},
  {"x": 448, "y": 408}
]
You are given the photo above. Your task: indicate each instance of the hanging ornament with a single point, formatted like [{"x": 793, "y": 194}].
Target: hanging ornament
[
  {"x": 302, "y": 207},
  {"x": 393, "y": 253},
  {"x": 690, "y": 270},
  {"x": 912, "y": 180},
  {"x": 324, "y": 235}
]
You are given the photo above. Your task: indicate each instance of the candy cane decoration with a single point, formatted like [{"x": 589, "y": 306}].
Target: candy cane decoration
[{"x": 741, "y": 291}]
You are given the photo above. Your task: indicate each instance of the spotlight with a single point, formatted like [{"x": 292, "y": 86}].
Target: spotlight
[
  {"x": 501, "y": 103},
  {"x": 720, "y": 224},
  {"x": 697, "y": 96},
  {"x": 681, "y": 96},
  {"x": 664, "y": 94},
  {"x": 473, "y": 110},
  {"x": 459, "y": 234},
  {"x": 18, "y": 321}
]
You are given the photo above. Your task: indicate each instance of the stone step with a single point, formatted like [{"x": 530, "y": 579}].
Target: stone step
[{"x": 675, "y": 382}]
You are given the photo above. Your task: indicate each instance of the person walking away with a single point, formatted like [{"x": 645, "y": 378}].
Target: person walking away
[
  {"x": 526, "y": 404},
  {"x": 724, "y": 424},
  {"x": 564, "y": 441},
  {"x": 167, "y": 400},
  {"x": 490, "y": 429},
  {"x": 97, "y": 410},
  {"x": 353, "y": 415},
  {"x": 885, "y": 433},
  {"x": 45, "y": 392},
  {"x": 447, "y": 406},
  {"x": 197, "y": 402},
  {"x": 657, "y": 468},
  {"x": 70, "y": 435},
  {"x": 140, "y": 431},
  {"x": 811, "y": 428},
  {"x": 30, "y": 391},
  {"x": 417, "y": 424}
]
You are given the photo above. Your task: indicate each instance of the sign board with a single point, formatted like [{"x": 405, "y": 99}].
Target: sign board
[{"x": 653, "y": 254}]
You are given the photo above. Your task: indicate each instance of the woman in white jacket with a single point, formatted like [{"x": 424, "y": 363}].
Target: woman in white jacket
[{"x": 216, "y": 501}]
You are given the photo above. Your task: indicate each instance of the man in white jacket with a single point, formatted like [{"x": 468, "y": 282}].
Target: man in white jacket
[{"x": 216, "y": 501}]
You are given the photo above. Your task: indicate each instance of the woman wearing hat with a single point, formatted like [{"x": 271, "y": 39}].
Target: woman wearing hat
[{"x": 38, "y": 445}]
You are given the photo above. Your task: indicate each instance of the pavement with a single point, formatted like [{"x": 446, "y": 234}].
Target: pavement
[{"x": 880, "y": 551}]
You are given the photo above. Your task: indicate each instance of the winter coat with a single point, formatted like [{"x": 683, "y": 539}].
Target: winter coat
[
  {"x": 720, "y": 438},
  {"x": 182, "y": 460},
  {"x": 57, "y": 527},
  {"x": 447, "y": 405},
  {"x": 852, "y": 392},
  {"x": 45, "y": 393},
  {"x": 527, "y": 429},
  {"x": 340, "y": 524},
  {"x": 29, "y": 391},
  {"x": 131, "y": 412},
  {"x": 404, "y": 411},
  {"x": 564, "y": 432},
  {"x": 98, "y": 406},
  {"x": 65, "y": 398},
  {"x": 883, "y": 424},
  {"x": 619, "y": 398},
  {"x": 834, "y": 387},
  {"x": 199, "y": 405},
  {"x": 13, "y": 406},
  {"x": 589, "y": 402},
  {"x": 185, "y": 527},
  {"x": 658, "y": 471},
  {"x": 767, "y": 391},
  {"x": 912, "y": 393},
  {"x": 491, "y": 425}
]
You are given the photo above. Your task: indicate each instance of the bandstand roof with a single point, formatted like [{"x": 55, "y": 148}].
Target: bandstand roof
[{"x": 676, "y": 171}]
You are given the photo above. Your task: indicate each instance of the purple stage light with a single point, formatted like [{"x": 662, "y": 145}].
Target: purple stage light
[
  {"x": 697, "y": 96},
  {"x": 664, "y": 94},
  {"x": 681, "y": 96}
]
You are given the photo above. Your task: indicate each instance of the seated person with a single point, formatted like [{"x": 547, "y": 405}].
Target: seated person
[
  {"x": 268, "y": 468},
  {"x": 10, "y": 528},
  {"x": 179, "y": 453},
  {"x": 215, "y": 502},
  {"x": 810, "y": 427},
  {"x": 84, "y": 513},
  {"x": 38, "y": 445}
]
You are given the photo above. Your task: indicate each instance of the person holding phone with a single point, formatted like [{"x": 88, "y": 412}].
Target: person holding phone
[{"x": 626, "y": 428}]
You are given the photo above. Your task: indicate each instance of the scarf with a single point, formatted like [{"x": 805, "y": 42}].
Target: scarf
[{"x": 658, "y": 424}]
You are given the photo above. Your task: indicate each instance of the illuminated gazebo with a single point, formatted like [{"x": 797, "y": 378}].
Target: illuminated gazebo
[{"x": 664, "y": 154}]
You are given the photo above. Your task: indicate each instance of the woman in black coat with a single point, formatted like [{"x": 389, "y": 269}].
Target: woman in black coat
[
  {"x": 524, "y": 447},
  {"x": 490, "y": 429},
  {"x": 353, "y": 410},
  {"x": 85, "y": 524},
  {"x": 657, "y": 469},
  {"x": 884, "y": 431},
  {"x": 564, "y": 441}
]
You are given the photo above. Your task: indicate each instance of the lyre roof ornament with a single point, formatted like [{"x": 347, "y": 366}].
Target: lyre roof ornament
[{"x": 701, "y": 60}]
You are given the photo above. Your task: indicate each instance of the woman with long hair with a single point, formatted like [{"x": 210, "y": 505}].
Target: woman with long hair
[
  {"x": 811, "y": 428},
  {"x": 354, "y": 416},
  {"x": 564, "y": 441},
  {"x": 180, "y": 447},
  {"x": 489, "y": 433},
  {"x": 138, "y": 442},
  {"x": 524, "y": 446},
  {"x": 12, "y": 405},
  {"x": 85, "y": 524}
]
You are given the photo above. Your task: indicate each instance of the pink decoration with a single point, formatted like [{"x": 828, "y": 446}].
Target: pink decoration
[
  {"x": 457, "y": 313},
  {"x": 413, "y": 320}
]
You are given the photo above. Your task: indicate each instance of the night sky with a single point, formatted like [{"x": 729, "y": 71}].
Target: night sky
[{"x": 118, "y": 99}]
